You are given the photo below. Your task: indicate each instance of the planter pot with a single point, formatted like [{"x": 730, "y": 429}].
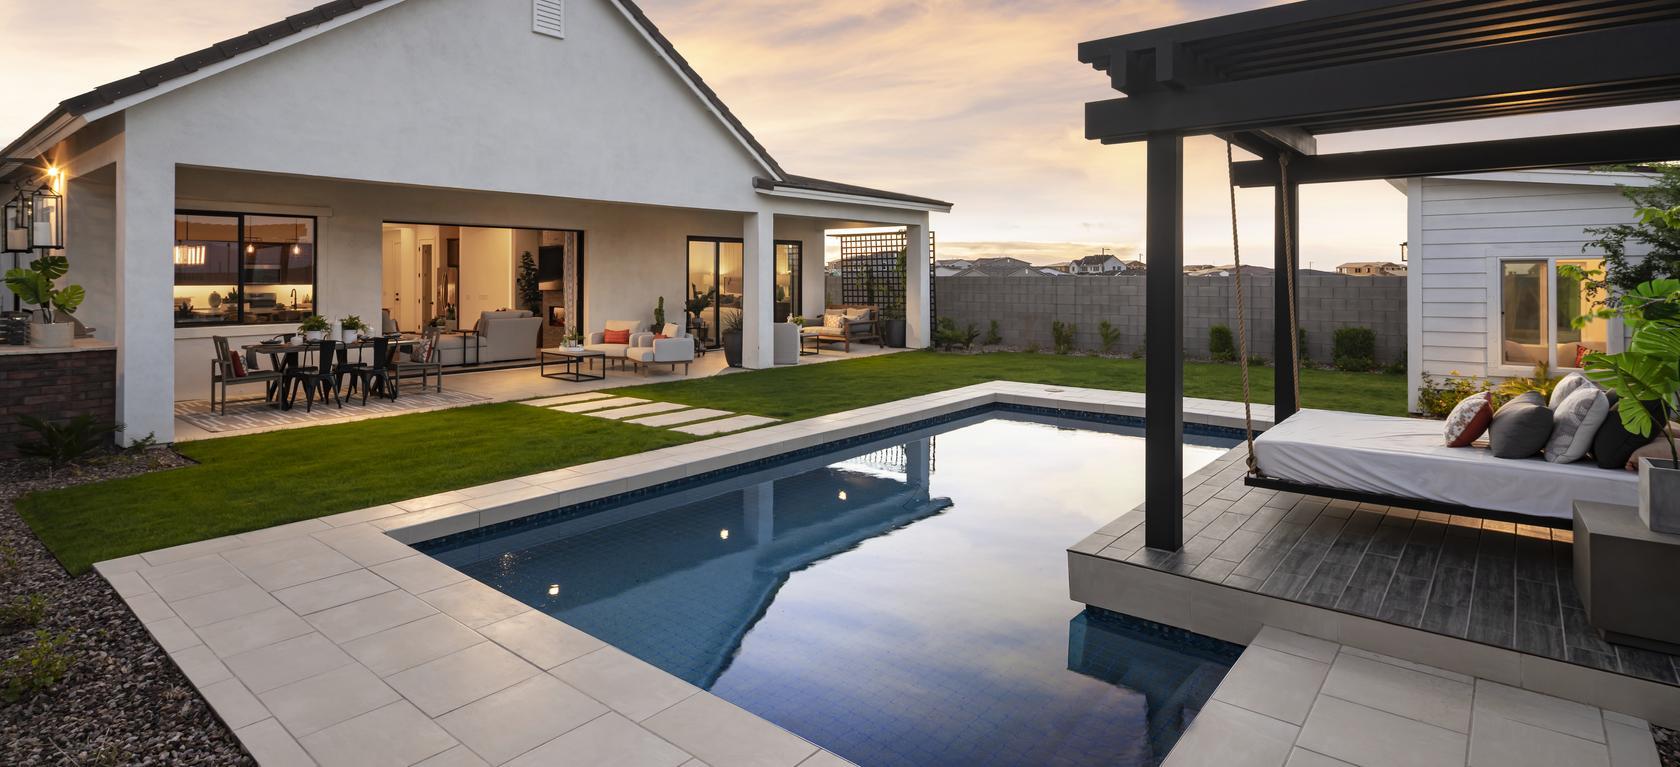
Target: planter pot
[
  {"x": 312, "y": 335},
  {"x": 732, "y": 348},
  {"x": 54, "y": 335},
  {"x": 1659, "y": 495},
  {"x": 892, "y": 331}
]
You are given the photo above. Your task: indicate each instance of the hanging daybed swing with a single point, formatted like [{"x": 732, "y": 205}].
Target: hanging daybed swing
[{"x": 1391, "y": 461}]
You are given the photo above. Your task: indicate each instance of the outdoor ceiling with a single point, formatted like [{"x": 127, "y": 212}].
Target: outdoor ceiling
[{"x": 1324, "y": 66}]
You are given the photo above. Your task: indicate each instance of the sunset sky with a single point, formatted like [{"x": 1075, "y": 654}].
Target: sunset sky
[{"x": 974, "y": 101}]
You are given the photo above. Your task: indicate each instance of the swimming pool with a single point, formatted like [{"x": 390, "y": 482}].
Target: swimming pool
[{"x": 898, "y": 602}]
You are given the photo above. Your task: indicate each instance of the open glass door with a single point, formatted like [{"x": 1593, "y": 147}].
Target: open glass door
[{"x": 714, "y": 287}]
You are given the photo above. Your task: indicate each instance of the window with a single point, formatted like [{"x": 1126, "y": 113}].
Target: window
[
  {"x": 787, "y": 280},
  {"x": 1538, "y": 308},
  {"x": 233, "y": 269}
]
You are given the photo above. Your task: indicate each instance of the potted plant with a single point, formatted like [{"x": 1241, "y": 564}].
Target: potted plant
[
  {"x": 34, "y": 286},
  {"x": 313, "y": 327},
  {"x": 659, "y": 316},
  {"x": 574, "y": 340},
  {"x": 529, "y": 284},
  {"x": 351, "y": 328},
  {"x": 1646, "y": 377},
  {"x": 732, "y": 338},
  {"x": 891, "y": 320}
]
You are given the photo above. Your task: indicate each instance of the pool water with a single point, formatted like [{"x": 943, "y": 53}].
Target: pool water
[{"x": 897, "y": 603}]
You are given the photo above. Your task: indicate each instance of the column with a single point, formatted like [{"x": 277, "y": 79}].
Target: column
[
  {"x": 1164, "y": 346},
  {"x": 758, "y": 513},
  {"x": 918, "y": 286},
  {"x": 918, "y": 467},
  {"x": 758, "y": 288},
  {"x": 1283, "y": 373},
  {"x": 144, "y": 290}
]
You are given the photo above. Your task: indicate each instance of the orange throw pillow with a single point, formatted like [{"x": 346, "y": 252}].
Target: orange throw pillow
[
  {"x": 615, "y": 336},
  {"x": 1469, "y": 420}
]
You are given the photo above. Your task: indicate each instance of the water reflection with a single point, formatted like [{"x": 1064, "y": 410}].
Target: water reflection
[{"x": 902, "y": 604}]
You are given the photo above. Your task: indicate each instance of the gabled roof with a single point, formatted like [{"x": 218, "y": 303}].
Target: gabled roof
[
  {"x": 252, "y": 43},
  {"x": 1096, "y": 260}
]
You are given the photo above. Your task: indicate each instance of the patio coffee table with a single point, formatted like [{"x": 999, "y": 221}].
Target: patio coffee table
[{"x": 571, "y": 366}]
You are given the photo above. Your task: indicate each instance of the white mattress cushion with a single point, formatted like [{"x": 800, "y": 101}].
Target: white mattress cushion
[{"x": 1406, "y": 458}]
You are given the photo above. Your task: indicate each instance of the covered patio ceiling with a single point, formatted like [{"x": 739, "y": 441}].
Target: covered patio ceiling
[{"x": 1272, "y": 80}]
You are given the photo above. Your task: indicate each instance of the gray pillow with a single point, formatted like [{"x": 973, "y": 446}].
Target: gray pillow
[
  {"x": 1575, "y": 422},
  {"x": 1520, "y": 428}
]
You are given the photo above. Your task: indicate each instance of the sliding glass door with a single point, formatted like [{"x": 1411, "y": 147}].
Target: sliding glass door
[{"x": 714, "y": 287}]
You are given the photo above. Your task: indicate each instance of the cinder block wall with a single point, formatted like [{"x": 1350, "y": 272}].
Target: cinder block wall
[
  {"x": 1026, "y": 306},
  {"x": 55, "y": 387}
]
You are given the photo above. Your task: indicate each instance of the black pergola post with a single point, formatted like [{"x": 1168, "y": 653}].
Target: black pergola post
[
  {"x": 1286, "y": 234},
  {"x": 1164, "y": 347}
]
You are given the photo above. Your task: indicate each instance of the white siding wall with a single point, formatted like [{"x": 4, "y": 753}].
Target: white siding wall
[{"x": 1460, "y": 229}]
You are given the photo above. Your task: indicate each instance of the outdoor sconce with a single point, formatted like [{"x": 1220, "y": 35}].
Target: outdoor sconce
[
  {"x": 17, "y": 225},
  {"x": 46, "y": 217}
]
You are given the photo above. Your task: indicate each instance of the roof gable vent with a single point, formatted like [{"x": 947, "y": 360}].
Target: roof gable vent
[{"x": 548, "y": 17}]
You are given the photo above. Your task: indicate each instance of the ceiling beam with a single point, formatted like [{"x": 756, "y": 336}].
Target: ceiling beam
[
  {"x": 1526, "y": 72},
  {"x": 1634, "y": 145}
]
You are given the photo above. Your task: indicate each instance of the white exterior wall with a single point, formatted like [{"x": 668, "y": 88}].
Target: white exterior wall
[{"x": 1460, "y": 228}]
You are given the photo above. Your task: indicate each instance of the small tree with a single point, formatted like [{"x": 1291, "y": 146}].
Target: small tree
[
  {"x": 993, "y": 337},
  {"x": 1354, "y": 349},
  {"x": 530, "y": 287},
  {"x": 1109, "y": 335},
  {"x": 1653, "y": 232},
  {"x": 1220, "y": 345},
  {"x": 1062, "y": 336}
]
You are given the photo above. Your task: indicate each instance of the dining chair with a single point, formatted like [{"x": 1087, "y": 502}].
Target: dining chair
[
  {"x": 316, "y": 379},
  {"x": 378, "y": 373}
]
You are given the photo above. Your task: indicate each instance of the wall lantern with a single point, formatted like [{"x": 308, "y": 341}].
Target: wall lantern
[
  {"x": 16, "y": 233},
  {"x": 46, "y": 216}
]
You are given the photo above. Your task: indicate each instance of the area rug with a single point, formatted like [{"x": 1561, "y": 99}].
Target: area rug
[{"x": 256, "y": 414}]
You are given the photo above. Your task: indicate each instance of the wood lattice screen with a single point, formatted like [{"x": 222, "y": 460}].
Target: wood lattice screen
[{"x": 870, "y": 274}]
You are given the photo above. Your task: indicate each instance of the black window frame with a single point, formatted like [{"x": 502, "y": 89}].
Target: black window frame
[{"x": 314, "y": 271}]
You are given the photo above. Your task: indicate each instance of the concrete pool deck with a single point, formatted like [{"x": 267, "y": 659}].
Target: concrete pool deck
[{"x": 332, "y": 642}]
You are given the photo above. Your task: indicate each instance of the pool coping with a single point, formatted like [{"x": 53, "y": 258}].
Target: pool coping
[{"x": 293, "y": 628}]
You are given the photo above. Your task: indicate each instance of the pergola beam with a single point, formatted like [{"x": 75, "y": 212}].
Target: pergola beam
[
  {"x": 1565, "y": 68},
  {"x": 1615, "y": 147}
]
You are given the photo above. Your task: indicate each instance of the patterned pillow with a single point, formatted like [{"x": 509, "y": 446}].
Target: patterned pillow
[
  {"x": 1575, "y": 422},
  {"x": 1470, "y": 419},
  {"x": 834, "y": 320},
  {"x": 423, "y": 350}
]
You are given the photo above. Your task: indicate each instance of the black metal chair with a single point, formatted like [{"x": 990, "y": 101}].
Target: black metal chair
[
  {"x": 224, "y": 374},
  {"x": 379, "y": 373},
  {"x": 318, "y": 378}
]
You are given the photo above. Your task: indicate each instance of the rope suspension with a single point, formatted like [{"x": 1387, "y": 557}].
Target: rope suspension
[{"x": 1242, "y": 315}]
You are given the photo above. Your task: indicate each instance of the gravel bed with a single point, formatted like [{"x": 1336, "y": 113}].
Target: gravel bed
[{"x": 122, "y": 701}]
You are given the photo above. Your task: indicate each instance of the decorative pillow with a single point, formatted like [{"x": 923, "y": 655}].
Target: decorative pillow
[
  {"x": 1567, "y": 386},
  {"x": 1470, "y": 419},
  {"x": 1614, "y": 444},
  {"x": 859, "y": 315},
  {"x": 423, "y": 350},
  {"x": 1520, "y": 428},
  {"x": 834, "y": 320},
  {"x": 670, "y": 330},
  {"x": 615, "y": 336},
  {"x": 1575, "y": 422},
  {"x": 1656, "y": 450},
  {"x": 237, "y": 362},
  {"x": 1581, "y": 353}
]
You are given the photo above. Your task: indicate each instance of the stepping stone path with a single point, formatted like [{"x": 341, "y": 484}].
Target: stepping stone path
[{"x": 700, "y": 422}]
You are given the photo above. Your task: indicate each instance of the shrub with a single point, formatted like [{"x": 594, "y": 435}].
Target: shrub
[
  {"x": 1220, "y": 345},
  {"x": 993, "y": 337},
  {"x": 1397, "y": 367},
  {"x": 1436, "y": 399},
  {"x": 1542, "y": 381},
  {"x": 1301, "y": 344},
  {"x": 1062, "y": 335},
  {"x": 1257, "y": 361},
  {"x": 947, "y": 336},
  {"x": 1032, "y": 348},
  {"x": 62, "y": 443},
  {"x": 1354, "y": 349},
  {"x": 36, "y": 667},
  {"x": 1109, "y": 335},
  {"x": 24, "y": 611}
]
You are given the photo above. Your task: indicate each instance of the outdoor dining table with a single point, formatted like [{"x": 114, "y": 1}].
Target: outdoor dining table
[{"x": 283, "y": 355}]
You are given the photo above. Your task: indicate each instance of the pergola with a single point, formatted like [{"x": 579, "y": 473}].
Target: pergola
[{"x": 1273, "y": 79}]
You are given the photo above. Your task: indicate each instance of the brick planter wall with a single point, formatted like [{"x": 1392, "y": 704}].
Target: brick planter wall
[{"x": 54, "y": 386}]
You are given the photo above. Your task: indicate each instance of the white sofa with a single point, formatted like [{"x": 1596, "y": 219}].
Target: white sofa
[
  {"x": 507, "y": 335},
  {"x": 648, "y": 349},
  {"x": 597, "y": 343}
]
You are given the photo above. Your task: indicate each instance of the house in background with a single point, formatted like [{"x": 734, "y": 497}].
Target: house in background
[
  {"x": 1484, "y": 294},
  {"x": 403, "y": 154},
  {"x": 1372, "y": 269},
  {"x": 1001, "y": 266},
  {"x": 1103, "y": 263}
]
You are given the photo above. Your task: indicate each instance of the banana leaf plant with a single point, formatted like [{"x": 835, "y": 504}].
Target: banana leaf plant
[{"x": 36, "y": 286}]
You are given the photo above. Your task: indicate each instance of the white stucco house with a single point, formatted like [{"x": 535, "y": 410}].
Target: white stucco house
[
  {"x": 401, "y": 155},
  {"x": 1102, "y": 263},
  {"x": 1484, "y": 295}
]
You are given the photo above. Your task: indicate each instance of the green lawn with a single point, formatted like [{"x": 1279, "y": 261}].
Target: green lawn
[
  {"x": 810, "y": 390},
  {"x": 253, "y": 482},
  {"x": 262, "y": 480}
]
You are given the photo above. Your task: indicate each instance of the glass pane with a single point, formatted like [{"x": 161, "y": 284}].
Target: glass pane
[
  {"x": 279, "y": 269},
  {"x": 206, "y": 259},
  {"x": 787, "y": 280},
  {"x": 702, "y": 291},
  {"x": 1572, "y": 301},
  {"x": 730, "y": 276},
  {"x": 1522, "y": 295}
]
